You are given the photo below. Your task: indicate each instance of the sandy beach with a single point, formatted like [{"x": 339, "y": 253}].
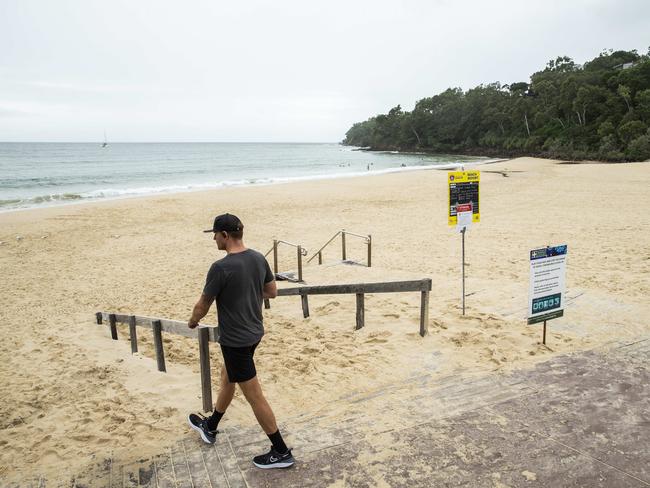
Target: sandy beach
[{"x": 71, "y": 396}]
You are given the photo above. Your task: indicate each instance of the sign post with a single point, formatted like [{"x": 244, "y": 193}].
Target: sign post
[
  {"x": 463, "y": 208},
  {"x": 547, "y": 285}
]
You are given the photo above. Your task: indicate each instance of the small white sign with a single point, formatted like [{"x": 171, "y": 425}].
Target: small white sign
[{"x": 464, "y": 220}]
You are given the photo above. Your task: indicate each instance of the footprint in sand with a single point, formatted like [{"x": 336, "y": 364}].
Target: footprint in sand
[
  {"x": 391, "y": 315},
  {"x": 375, "y": 340},
  {"x": 328, "y": 307}
]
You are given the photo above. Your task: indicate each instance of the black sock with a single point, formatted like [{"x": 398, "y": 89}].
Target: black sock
[
  {"x": 278, "y": 444},
  {"x": 213, "y": 420}
]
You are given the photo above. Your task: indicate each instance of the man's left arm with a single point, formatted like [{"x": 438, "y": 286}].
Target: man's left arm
[{"x": 200, "y": 310}]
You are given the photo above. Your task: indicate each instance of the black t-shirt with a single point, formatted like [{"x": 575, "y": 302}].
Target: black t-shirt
[{"x": 236, "y": 282}]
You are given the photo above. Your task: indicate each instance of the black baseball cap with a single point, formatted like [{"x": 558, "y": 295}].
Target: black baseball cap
[{"x": 226, "y": 223}]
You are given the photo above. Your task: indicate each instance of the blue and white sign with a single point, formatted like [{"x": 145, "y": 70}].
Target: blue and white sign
[{"x": 547, "y": 283}]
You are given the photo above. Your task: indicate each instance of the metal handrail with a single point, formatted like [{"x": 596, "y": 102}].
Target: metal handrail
[
  {"x": 343, "y": 233},
  {"x": 326, "y": 244},
  {"x": 301, "y": 252}
]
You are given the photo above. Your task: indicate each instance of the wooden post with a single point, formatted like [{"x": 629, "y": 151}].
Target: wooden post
[
  {"x": 111, "y": 320},
  {"x": 320, "y": 257},
  {"x": 343, "y": 245},
  {"x": 133, "y": 334},
  {"x": 98, "y": 316},
  {"x": 369, "y": 250},
  {"x": 424, "y": 313},
  {"x": 204, "y": 359},
  {"x": 299, "y": 263},
  {"x": 305, "y": 306},
  {"x": 158, "y": 343},
  {"x": 360, "y": 311},
  {"x": 267, "y": 303},
  {"x": 275, "y": 256}
]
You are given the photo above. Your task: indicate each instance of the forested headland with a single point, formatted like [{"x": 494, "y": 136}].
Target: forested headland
[{"x": 599, "y": 110}]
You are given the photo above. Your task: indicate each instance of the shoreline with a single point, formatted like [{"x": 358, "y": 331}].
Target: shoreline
[
  {"x": 246, "y": 184},
  {"x": 497, "y": 154}
]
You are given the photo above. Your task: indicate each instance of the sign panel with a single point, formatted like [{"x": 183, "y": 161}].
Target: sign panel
[
  {"x": 547, "y": 283},
  {"x": 463, "y": 195}
]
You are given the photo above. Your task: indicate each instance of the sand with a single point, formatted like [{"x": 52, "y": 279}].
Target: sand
[{"x": 72, "y": 397}]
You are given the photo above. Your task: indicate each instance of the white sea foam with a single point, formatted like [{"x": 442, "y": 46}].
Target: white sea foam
[{"x": 85, "y": 174}]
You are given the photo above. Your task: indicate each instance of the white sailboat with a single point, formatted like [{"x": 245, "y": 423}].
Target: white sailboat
[{"x": 105, "y": 143}]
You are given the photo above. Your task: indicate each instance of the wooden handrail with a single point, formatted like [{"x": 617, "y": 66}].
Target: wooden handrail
[
  {"x": 360, "y": 289},
  {"x": 204, "y": 333},
  {"x": 170, "y": 326},
  {"x": 383, "y": 287}
]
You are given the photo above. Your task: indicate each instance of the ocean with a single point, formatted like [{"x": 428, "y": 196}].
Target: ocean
[{"x": 46, "y": 174}]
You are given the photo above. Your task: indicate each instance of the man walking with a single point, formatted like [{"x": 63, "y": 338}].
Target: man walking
[{"x": 239, "y": 283}]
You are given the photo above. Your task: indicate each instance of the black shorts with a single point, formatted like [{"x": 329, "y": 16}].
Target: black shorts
[{"x": 239, "y": 362}]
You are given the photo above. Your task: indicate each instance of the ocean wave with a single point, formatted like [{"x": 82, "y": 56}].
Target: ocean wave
[{"x": 119, "y": 193}]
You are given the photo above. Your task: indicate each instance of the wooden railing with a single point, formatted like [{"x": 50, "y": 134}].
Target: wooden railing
[
  {"x": 360, "y": 289},
  {"x": 205, "y": 334},
  {"x": 343, "y": 233}
]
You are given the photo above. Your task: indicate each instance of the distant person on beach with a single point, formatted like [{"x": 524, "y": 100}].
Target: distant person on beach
[{"x": 239, "y": 283}]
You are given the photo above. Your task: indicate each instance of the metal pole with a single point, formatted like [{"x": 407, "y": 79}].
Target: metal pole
[
  {"x": 343, "y": 244},
  {"x": 463, "y": 258},
  {"x": 275, "y": 256},
  {"x": 369, "y": 250},
  {"x": 299, "y": 263},
  {"x": 544, "y": 334}
]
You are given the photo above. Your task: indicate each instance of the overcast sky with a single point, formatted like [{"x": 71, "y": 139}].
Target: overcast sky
[{"x": 296, "y": 71}]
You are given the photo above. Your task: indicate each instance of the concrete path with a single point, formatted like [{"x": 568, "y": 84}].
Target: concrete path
[{"x": 581, "y": 420}]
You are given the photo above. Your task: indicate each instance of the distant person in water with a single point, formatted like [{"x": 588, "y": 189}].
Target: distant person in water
[{"x": 239, "y": 283}]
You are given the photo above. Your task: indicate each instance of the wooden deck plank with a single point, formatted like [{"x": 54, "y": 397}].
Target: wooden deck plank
[
  {"x": 213, "y": 466},
  {"x": 197, "y": 468},
  {"x": 229, "y": 462},
  {"x": 179, "y": 464},
  {"x": 163, "y": 472}
]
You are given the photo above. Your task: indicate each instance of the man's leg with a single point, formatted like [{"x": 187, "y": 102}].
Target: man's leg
[
  {"x": 226, "y": 393},
  {"x": 279, "y": 456},
  {"x": 261, "y": 408}
]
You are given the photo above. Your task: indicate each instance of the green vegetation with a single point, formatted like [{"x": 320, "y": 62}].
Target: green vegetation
[{"x": 600, "y": 110}]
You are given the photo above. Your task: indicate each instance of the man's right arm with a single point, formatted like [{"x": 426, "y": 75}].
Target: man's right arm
[
  {"x": 200, "y": 310},
  {"x": 270, "y": 290}
]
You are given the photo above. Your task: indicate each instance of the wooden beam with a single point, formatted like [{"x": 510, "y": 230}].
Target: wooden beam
[
  {"x": 133, "y": 334},
  {"x": 360, "y": 311},
  {"x": 112, "y": 320},
  {"x": 343, "y": 253},
  {"x": 204, "y": 359},
  {"x": 170, "y": 326},
  {"x": 424, "y": 313},
  {"x": 305, "y": 305},
  {"x": 158, "y": 343},
  {"x": 383, "y": 287}
]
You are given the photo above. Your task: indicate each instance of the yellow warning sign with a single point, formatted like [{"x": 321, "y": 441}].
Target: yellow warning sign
[{"x": 463, "y": 195}]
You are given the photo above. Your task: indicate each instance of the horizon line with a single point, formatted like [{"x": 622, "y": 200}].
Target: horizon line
[{"x": 171, "y": 142}]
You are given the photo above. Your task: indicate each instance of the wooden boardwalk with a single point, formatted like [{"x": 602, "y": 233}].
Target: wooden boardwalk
[{"x": 575, "y": 420}]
